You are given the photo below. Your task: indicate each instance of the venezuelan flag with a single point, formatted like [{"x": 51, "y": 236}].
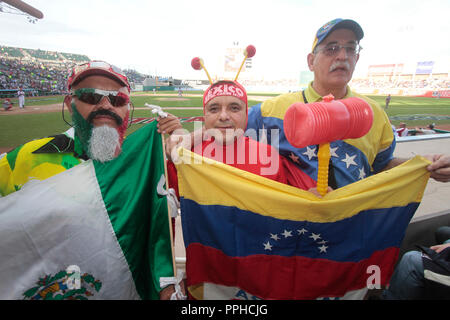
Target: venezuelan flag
[{"x": 251, "y": 237}]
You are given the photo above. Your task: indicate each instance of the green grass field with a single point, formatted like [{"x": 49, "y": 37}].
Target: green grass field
[{"x": 20, "y": 128}]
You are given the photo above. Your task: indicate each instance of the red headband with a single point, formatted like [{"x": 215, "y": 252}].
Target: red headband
[{"x": 227, "y": 88}]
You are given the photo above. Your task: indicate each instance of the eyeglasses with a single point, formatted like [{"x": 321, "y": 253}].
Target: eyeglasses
[
  {"x": 94, "y": 96},
  {"x": 332, "y": 50}
]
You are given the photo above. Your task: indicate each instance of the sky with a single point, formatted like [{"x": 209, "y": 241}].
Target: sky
[{"x": 161, "y": 37}]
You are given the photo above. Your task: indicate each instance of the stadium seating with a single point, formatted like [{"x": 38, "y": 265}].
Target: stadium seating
[
  {"x": 43, "y": 55},
  {"x": 134, "y": 76},
  {"x": 78, "y": 58},
  {"x": 36, "y": 77},
  {"x": 11, "y": 52},
  {"x": 386, "y": 84},
  {"x": 42, "y": 72}
]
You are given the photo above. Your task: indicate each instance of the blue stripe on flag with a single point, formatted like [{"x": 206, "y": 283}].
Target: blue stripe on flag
[{"x": 240, "y": 233}]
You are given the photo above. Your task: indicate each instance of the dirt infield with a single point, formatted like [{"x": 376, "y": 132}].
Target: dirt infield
[
  {"x": 172, "y": 99},
  {"x": 33, "y": 109}
]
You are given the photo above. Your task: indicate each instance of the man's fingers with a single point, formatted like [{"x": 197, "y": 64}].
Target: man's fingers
[
  {"x": 440, "y": 178},
  {"x": 168, "y": 126}
]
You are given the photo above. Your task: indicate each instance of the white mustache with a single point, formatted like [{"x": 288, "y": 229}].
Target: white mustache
[{"x": 340, "y": 64}]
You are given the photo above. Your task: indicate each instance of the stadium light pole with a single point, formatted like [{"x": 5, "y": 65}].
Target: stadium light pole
[{"x": 26, "y": 8}]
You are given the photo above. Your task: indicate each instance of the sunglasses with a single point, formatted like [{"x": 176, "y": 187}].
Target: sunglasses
[{"x": 94, "y": 96}]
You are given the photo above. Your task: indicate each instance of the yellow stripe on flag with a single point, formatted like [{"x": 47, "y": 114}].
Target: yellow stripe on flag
[{"x": 228, "y": 186}]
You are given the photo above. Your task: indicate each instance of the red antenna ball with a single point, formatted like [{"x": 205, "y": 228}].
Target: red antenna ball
[
  {"x": 251, "y": 50},
  {"x": 195, "y": 63}
]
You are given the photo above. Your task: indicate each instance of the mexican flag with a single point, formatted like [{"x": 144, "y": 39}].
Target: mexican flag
[{"x": 96, "y": 231}]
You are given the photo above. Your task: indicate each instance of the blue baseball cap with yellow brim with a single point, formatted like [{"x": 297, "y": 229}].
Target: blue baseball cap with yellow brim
[{"x": 335, "y": 24}]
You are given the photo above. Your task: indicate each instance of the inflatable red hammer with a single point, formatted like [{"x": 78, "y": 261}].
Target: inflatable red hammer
[{"x": 323, "y": 122}]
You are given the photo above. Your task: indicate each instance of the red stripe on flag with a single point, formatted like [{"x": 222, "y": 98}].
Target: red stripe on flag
[
  {"x": 150, "y": 119},
  {"x": 283, "y": 278}
]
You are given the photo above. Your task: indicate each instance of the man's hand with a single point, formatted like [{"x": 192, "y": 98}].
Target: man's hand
[
  {"x": 440, "y": 168},
  {"x": 316, "y": 193},
  {"x": 178, "y": 138},
  {"x": 166, "y": 293},
  {"x": 440, "y": 247},
  {"x": 168, "y": 124}
]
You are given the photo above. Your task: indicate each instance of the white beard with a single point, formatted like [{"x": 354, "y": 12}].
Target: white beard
[{"x": 104, "y": 144}]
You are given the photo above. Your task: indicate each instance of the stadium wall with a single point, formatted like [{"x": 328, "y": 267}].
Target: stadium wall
[
  {"x": 159, "y": 88},
  {"x": 437, "y": 94}
]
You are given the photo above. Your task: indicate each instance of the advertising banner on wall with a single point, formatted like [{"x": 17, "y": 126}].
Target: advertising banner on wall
[{"x": 424, "y": 67}]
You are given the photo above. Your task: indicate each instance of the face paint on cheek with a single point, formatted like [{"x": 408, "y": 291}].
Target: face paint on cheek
[
  {"x": 123, "y": 127},
  {"x": 83, "y": 131}
]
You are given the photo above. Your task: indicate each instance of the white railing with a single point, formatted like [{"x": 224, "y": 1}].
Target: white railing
[{"x": 424, "y": 137}]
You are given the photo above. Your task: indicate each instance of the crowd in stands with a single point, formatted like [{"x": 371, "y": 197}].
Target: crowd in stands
[
  {"x": 280, "y": 82},
  {"x": 38, "y": 77},
  {"x": 431, "y": 84},
  {"x": 41, "y": 72},
  {"x": 39, "y": 54},
  {"x": 134, "y": 76}
]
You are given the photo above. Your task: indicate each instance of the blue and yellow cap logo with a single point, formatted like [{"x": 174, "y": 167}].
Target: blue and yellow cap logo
[{"x": 323, "y": 32}]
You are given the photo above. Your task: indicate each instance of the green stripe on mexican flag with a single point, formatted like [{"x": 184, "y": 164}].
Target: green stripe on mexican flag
[{"x": 105, "y": 220}]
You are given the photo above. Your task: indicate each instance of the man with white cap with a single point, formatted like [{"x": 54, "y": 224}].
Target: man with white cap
[{"x": 99, "y": 102}]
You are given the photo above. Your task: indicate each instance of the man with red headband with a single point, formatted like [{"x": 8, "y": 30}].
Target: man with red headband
[
  {"x": 99, "y": 102},
  {"x": 225, "y": 114},
  {"x": 225, "y": 111}
]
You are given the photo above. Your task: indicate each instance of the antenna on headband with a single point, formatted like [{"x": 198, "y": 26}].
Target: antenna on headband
[
  {"x": 248, "y": 53},
  {"x": 197, "y": 63}
]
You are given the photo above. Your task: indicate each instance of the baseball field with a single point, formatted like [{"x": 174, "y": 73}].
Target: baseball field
[{"x": 42, "y": 116}]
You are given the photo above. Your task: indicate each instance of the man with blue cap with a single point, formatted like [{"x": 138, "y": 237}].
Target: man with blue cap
[
  {"x": 333, "y": 57},
  {"x": 333, "y": 67}
]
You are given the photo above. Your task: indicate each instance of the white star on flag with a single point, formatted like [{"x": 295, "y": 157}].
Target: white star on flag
[
  {"x": 333, "y": 152},
  {"x": 311, "y": 153},
  {"x": 267, "y": 246},
  {"x": 315, "y": 236},
  {"x": 279, "y": 237},
  {"x": 349, "y": 160},
  {"x": 362, "y": 173},
  {"x": 274, "y": 237},
  {"x": 287, "y": 233}
]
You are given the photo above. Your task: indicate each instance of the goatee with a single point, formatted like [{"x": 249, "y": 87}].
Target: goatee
[{"x": 104, "y": 144}]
